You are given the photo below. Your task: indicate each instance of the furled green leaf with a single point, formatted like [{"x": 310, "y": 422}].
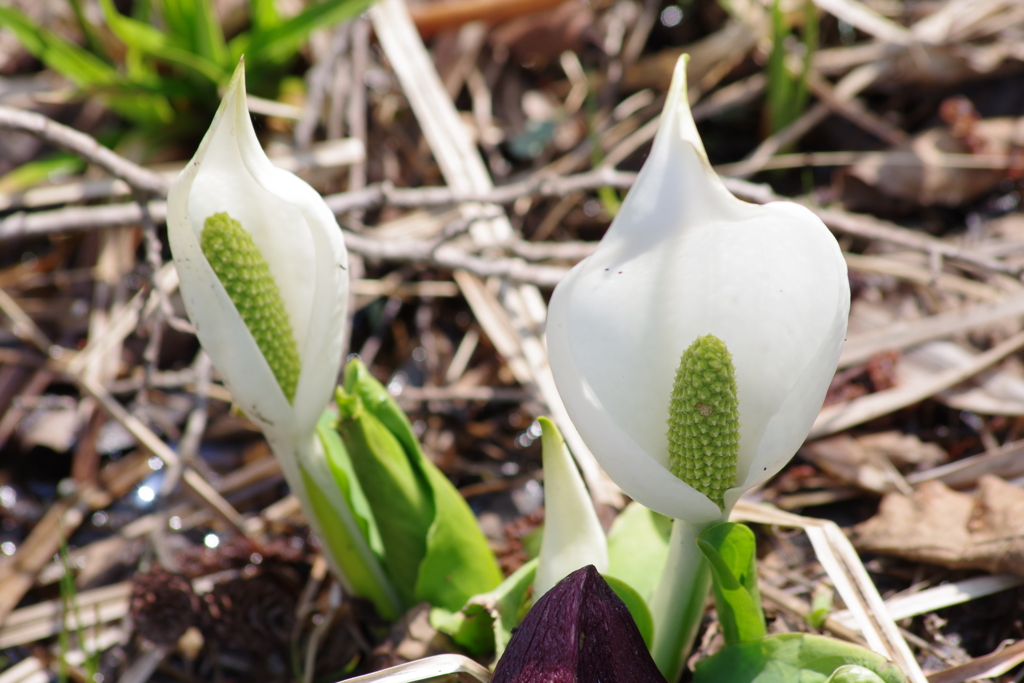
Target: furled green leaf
[
  {"x": 792, "y": 658},
  {"x": 433, "y": 547},
  {"x": 346, "y": 481},
  {"x": 351, "y": 535},
  {"x": 398, "y": 495},
  {"x": 485, "y": 623},
  {"x": 338, "y": 540},
  {"x": 638, "y": 548},
  {"x": 731, "y": 552}
]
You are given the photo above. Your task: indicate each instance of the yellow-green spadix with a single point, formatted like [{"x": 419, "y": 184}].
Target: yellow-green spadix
[{"x": 684, "y": 259}]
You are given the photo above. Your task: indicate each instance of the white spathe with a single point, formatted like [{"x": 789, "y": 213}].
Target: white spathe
[
  {"x": 685, "y": 258},
  {"x": 299, "y": 238},
  {"x": 573, "y": 537}
]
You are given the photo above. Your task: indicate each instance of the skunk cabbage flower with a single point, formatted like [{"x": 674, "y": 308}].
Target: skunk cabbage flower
[
  {"x": 578, "y": 631},
  {"x": 685, "y": 260},
  {"x": 264, "y": 274},
  {"x": 573, "y": 536}
]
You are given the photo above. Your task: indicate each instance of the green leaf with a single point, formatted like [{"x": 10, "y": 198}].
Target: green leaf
[
  {"x": 34, "y": 172},
  {"x": 80, "y": 66},
  {"x": 281, "y": 42},
  {"x": 264, "y": 15},
  {"x": 177, "y": 17},
  {"x": 485, "y": 622},
  {"x": 207, "y": 35},
  {"x": 637, "y": 607},
  {"x": 343, "y": 548},
  {"x": 787, "y": 93},
  {"x": 731, "y": 551},
  {"x": 638, "y": 548},
  {"x": 86, "y": 70},
  {"x": 153, "y": 42},
  {"x": 821, "y": 605},
  {"x": 355, "y": 547},
  {"x": 459, "y": 562},
  {"x": 434, "y": 549},
  {"x": 193, "y": 26},
  {"x": 359, "y": 382},
  {"x": 397, "y": 494},
  {"x": 92, "y": 37},
  {"x": 791, "y": 658},
  {"x": 345, "y": 479}
]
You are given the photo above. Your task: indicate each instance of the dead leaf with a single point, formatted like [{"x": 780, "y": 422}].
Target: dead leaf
[
  {"x": 55, "y": 428},
  {"x": 850, "y": 463},
  {"x": 867, "y": 462},
  {"x": 904, "y": 450},
  {"x": 957, "y": 530},
  {"x": 924, "y": 178}
]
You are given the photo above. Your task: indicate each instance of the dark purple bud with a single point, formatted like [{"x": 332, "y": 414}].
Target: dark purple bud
[{"x": 578, "y": 632}]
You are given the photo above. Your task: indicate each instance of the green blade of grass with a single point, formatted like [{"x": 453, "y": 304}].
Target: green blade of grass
[
  {"x": 281, "y": 42},
  {"x": 153, "y": 42},
  {"x": 34, "y": 172},
  {"x": 79, "y": 65},
  {"x": 207, "y": 35},
  {"x": 86, "y": 70},
  {"x": 264, "y": 15}
]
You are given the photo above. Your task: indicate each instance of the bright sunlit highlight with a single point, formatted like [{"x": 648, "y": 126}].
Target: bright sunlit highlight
[
  {"x": 211, "y": 540},
  {"x": 8, "y": 497},
  {"x": 146, "y": 494},
  {"x": 671, "y": 16}
]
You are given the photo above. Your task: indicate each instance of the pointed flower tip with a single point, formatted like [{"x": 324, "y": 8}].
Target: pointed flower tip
[
  {"x": 237, "y": 82},
  {"x": 579, "y": 631},
  {"x": 677, "y": 109}
]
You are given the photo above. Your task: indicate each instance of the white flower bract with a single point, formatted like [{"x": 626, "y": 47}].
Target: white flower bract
[
  {"x": 573, "y": 537},
  {"x": 298, "y": 237},
  {"x": 682, "y": 259}
]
